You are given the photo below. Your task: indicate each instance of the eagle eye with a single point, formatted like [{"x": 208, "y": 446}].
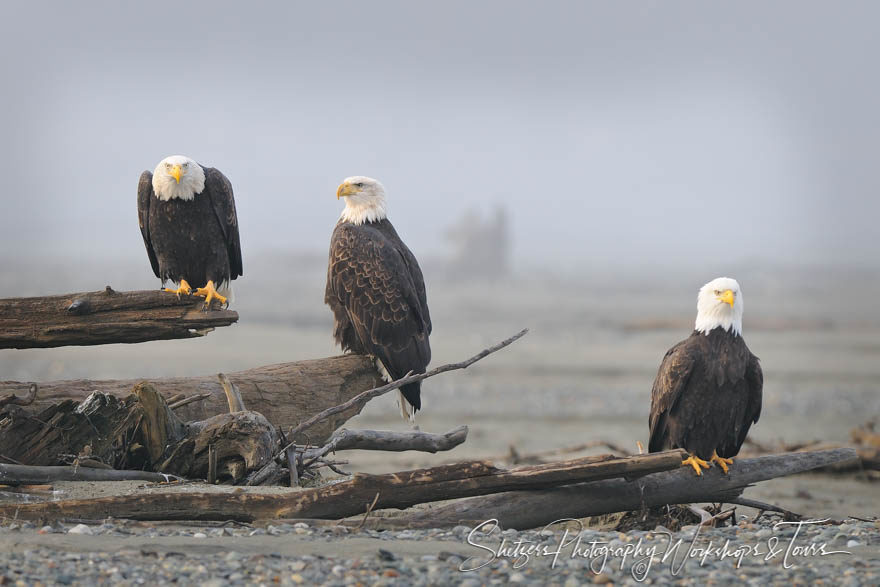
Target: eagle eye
[
  {"x": 359, "y": 184},
  {"x": 717, "y": 292}
]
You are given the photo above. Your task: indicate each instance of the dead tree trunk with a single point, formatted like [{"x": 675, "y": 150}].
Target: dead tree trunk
[
  {"x": 535, "y": 509},
  {"x": 104, "y": 317},
  {"x": 286, "y": 393},
  {"x": 347, "y": 498}
]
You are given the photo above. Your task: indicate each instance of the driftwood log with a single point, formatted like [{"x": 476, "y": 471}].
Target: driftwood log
[
  {"x": 535, "y": 509},
  {"x": 354, "y": 496},
  {"x": 865, "y": 440},
  {"x": 26, "y": 475},
  {"x": 104, "y": 317},
  {"x": 285, "y": 393}
]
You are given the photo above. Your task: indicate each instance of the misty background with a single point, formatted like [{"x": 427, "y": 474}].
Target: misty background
[
  {"x": 634, "y": 150},
  {"x": 618, "y": 134}
]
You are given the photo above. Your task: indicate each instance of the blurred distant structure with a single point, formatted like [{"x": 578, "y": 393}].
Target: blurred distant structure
[{"x": 480, "y": 246}]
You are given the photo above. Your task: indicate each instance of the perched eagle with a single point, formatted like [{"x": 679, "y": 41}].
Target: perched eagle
[
  {"x": 188, "y": 221},
  {"x": 376, "y": 291},
  {"x": 707, "y": 393}
]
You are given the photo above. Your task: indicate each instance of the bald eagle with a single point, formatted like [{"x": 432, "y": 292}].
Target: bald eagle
[
  {"x": 188, "y": 221},
  {"x": 708, "y": 390},
  {"x": 376, "y": 290}
]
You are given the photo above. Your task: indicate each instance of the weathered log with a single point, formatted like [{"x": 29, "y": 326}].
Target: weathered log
[
  {"x": 27, "y": 475},
  {"x": 345, "y": 439},
  {"x": 522, "y": 510},
  {"x": 103, "y": 317},
  {"x": 285, "y": 393},
  {"x": 351, "y": 497},
  {"x": 865, "y": 443}
]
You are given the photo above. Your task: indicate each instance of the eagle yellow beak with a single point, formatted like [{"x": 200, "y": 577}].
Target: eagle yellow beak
[
  {"x": 727, "y": 297},
  {"x": 345, "y": 189},
  {"x": 175, "y": 173}
]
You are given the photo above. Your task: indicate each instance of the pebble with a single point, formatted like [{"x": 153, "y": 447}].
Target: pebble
[
  {"x": 397, "y": 563},
  {"x": 80, "y": 529}
]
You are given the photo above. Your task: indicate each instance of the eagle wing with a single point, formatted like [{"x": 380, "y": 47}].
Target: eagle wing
[
  {"x": 754, "y": 378},
  {"x": 145, "y": 197},
  {"x": 419, "y": 283},
  {"x": 672, "y": 378},
  {"x": 371, "y": 279},
  {"x": 219, "y": 189}
]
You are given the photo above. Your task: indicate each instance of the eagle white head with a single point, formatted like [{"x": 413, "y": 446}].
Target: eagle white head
[
  {"x": 364, "y": 199},
  {"x": 178, "y": 176},
  {"x": 720, "y": 303}
]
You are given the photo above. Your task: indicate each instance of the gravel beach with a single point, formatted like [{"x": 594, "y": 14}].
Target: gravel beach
[
  {"x": 566, "y": 383},
  {"x": 120, "y": 553}
]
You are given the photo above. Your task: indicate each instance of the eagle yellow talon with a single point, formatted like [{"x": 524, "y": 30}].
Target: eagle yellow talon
[
  {"x": 210, "y": 293},
  {"x": 722, "y": 462},
  {"x": 695, "y": 462},
  {"x": 183, "y": 288}
]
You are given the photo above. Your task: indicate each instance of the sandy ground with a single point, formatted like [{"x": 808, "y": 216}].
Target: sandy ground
[{"x": 354, "y": 547}]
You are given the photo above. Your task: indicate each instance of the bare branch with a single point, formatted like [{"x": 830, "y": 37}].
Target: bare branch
[
  {"x": 764, "y": 507},
  {"x": 362, "y": 398},
  {"x": 344, "y": 439},
  {"x": 179, "y": 403}
]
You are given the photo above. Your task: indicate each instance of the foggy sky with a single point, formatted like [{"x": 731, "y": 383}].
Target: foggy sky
[{"x": 642, "y": 132}]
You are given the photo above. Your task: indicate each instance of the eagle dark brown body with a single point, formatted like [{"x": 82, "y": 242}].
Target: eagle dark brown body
[
  {"x": 196, "y": 240},
  {"x": 376, "y": 291},
  {"x": 706, "y": 396}
]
